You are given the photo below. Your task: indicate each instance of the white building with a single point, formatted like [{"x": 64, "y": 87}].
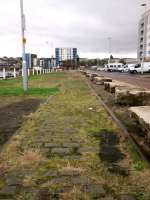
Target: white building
[{"x": 144, "y": 37}]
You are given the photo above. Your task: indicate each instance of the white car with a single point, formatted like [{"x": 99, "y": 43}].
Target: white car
[
  {"x": 100, "y": 69},
  {"x": 140, "y": 68},
  {"x": 124, "y": 68}
]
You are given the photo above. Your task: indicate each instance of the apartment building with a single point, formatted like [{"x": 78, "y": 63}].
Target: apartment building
[
  {"x": 66, "y": 54},
  {"x": 144, "y": 37},
  {"x": 47, "y": 62}
]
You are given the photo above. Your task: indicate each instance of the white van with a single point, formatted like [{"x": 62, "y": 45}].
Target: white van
[
  {"x": 113, "y": 67},
  {"x": 140, "y": 68}
]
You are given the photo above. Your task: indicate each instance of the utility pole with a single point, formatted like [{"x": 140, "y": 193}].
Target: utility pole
[
  {"x": 52, "y": 48},
  {"x": 24, "y": 65},
  {"x": 109, "y": 48},
  {"x": 143, "y": 57}
]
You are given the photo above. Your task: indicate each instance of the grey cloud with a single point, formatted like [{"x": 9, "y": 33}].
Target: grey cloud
[{"x": 85, "y": 24}]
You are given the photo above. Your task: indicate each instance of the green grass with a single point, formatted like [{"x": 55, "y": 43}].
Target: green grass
[
  {"x": 31, "y": 91},
  {"x": 34, "y": 80},
  {"x": 139, "y": 164},
  {"x": 42, "y": 85},
  {"x": 63, "y": 118}
]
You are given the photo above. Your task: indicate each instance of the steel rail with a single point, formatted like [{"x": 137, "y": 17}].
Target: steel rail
[{"x": 122, "y": 127}]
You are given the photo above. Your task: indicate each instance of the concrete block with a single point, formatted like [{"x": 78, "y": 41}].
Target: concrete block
[
  {"x": 88, "y": 74},
  {"x": 142, "y": 116},
  {"x": 100, "y": 80},
  {"x": 111, "y": 86},
  {"x": 93, "y": 76},
  {"x": 132, "y": 96}
]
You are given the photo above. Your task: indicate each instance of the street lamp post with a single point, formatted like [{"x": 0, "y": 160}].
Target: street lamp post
[
  {"x": 143, "y": 57},
  {"x": 24, "y": 65},
  {"x": 109, "y": 48},
  {"x": 52, "y": 53}
]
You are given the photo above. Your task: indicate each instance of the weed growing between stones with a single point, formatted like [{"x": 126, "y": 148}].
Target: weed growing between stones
[{"x": 58, "y": 156}]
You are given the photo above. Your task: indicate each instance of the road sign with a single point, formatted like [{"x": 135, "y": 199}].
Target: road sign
[{"x": 24, "y": 40}]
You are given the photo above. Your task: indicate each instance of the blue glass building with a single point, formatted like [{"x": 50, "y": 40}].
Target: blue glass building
[{"x": 66, "y": 54}]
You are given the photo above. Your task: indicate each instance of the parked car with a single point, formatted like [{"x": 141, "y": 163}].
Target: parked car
[
  {"x": 93, "y": 67},
  {"x": 124, "y": 68},
  {"x": 113, "y": 67},
  {"x": 100, "y": 69},
  {"x": 140, "y": 68}
]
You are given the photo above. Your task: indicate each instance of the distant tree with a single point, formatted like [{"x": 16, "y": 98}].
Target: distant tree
[
  {"x": 83, "y": 63},
  {"x": 111, "y": 57},
  {"x": 123, "y": 61},
  {"x": 103, "y": 62}
]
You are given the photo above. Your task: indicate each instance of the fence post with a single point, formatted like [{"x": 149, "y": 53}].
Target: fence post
[
  {"x": 4, "y": 73},
  {"x": 33, "y": 72},
  {"x": 28, "y": 72},
  {"x": 14, "y": 72}
]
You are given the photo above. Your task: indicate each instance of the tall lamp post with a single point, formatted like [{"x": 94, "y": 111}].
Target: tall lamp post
[
  {"x": 109, "y": 48},
  {"x": 143, "y": 57},
  {"x": 52, "y": 48},
  {"x": 24, "y": 65}
]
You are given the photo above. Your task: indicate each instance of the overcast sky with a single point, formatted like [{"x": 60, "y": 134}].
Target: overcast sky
[{"x": 85, "y": 24}]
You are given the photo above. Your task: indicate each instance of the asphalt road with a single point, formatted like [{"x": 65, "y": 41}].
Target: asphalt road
[{"x": 135, "y": 79}]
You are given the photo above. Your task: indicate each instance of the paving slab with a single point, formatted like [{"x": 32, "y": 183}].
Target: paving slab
[
  {"x": 132, "y": 96},
  {"x": 8, "y": 191},
  {"x": 95, "y": 190},
  {"x": 126, "y": 197},
  {"x": 61, "y": 151},
  {"x": 107, "y": 198}
]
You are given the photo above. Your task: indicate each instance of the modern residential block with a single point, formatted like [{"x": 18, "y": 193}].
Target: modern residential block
[
  {"x": 66, "y": 54},
  {"x": 144, "y": 37}
]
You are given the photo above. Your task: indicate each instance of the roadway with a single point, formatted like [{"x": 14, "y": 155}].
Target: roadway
[{"x": 134, "y": 79}]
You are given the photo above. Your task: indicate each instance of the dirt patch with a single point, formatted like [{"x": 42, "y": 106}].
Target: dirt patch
[
  {"x": 110, "y": 152},
  {"x": 13, "y": 115},
  {"x": 109, "y": 138}
]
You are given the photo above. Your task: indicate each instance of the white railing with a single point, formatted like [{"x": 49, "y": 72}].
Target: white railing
[{"x": 4, "y": 73}]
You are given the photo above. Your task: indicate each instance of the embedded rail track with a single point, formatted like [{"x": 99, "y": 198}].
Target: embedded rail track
[{"x": 122, "y": 127}]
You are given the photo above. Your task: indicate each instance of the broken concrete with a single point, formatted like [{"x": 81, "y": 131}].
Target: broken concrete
[
  {"x": 132, "y": 96},
  {"x": 142, "y": 116}
]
